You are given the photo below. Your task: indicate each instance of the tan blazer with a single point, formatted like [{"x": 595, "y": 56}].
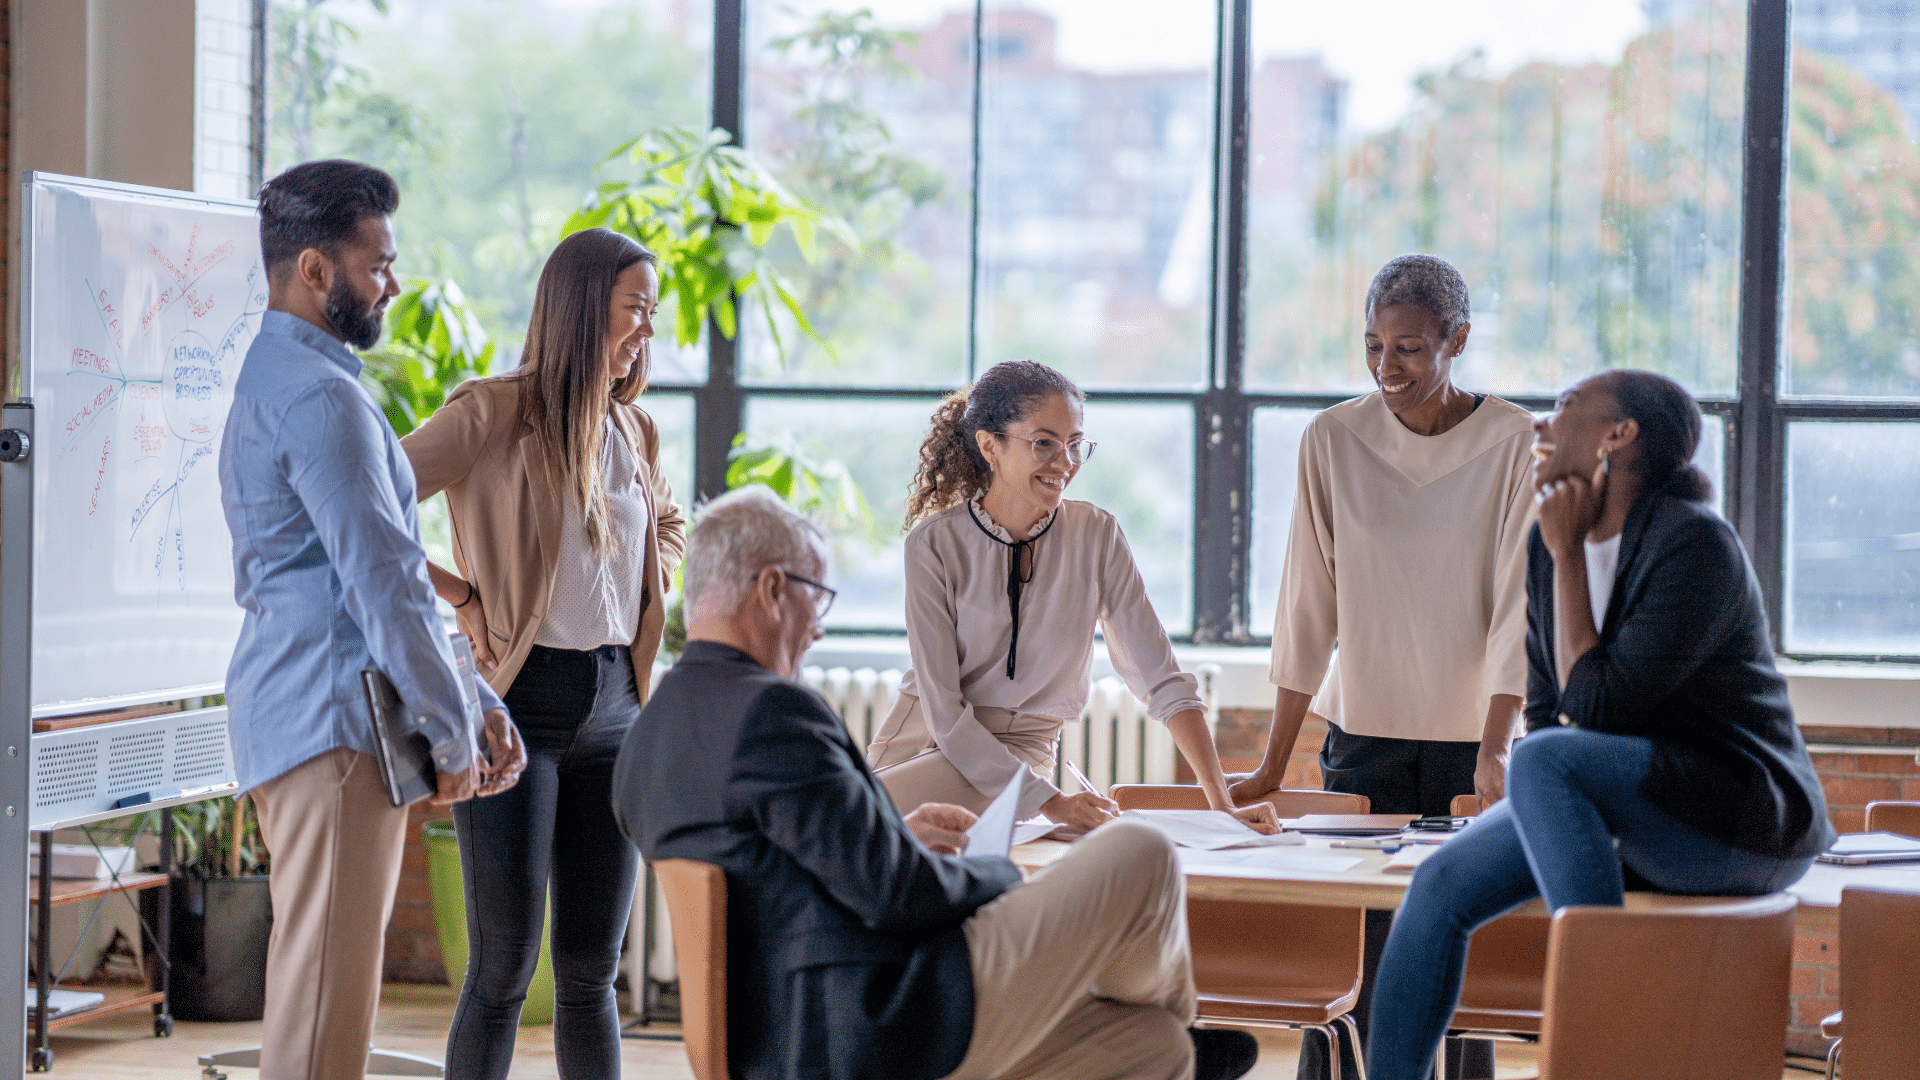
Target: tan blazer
[{"x": 507, "y": 516}]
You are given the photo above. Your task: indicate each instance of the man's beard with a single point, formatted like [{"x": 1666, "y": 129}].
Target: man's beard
[{"x": 358, "y": 323}]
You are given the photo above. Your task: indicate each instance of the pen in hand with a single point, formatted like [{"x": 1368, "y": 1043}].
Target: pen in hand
[{"x": 1080, "y": 777}]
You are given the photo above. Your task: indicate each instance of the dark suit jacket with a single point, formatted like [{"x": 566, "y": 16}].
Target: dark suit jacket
[
  {"x": 845, "y": 955},
  {"x": 1685, "y": 661}
]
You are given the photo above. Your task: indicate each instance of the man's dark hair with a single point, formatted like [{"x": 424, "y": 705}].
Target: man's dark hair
[{"x": 320, "y": 205}]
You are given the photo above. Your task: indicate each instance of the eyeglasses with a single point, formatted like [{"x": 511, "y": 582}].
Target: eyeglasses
[
  {"x": 1045, "y": 449},
  {"x": 822, "y": 603}
]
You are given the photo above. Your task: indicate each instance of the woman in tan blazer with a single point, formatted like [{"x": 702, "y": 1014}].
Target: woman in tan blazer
[{"x": 565, "y": 535}]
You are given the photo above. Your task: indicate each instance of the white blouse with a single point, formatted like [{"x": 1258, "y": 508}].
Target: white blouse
[
  {"x": 959, "y": 627},
  {"x": 596, "y": 598},
  {"x": 1409, "y": 552}
]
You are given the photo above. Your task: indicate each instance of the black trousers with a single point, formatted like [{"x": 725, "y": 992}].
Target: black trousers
[
  {"x": 1399, "y": 776},
  {"x": 555, "y": 826}
]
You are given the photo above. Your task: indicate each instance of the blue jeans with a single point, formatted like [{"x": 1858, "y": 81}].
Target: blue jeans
[
  {"x": 554, "y": 828},
  {"x": 1572, "y": 818}
]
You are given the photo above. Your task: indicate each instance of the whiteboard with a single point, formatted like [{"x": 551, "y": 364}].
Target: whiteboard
[{"x": 139, "y": 308}]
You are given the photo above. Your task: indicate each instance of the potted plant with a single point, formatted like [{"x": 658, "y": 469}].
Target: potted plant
[{"x": 221, "y": 913}]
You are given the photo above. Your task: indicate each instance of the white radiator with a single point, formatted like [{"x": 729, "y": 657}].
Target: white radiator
[{"x": 1114, "y": 742}]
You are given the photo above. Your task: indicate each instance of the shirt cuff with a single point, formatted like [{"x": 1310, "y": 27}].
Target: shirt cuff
[
  {"x": 1037, "y": 792},
  {"x": 453, "y": 754}
]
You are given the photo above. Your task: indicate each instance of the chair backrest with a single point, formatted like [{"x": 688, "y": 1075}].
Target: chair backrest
[
  {"x": 1506, "y": 972},
  {"x": 1879, "y": 992},
  {"x": 1466, "y": 806},
  {"x": 1286, "y": 802},
  {"x": 1894, "y": 817},
  {"x": 697, "y": 906},
  {"x": 1696, "y": 984},
  {"x": 1243, "y": 949}
]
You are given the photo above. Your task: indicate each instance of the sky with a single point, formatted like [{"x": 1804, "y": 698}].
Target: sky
[{"x": 1379, "y": 53}]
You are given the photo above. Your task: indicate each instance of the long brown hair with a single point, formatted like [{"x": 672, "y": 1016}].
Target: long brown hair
[
  {"x": 563, "y": 385},
  {"x": 952, "y": 469}
]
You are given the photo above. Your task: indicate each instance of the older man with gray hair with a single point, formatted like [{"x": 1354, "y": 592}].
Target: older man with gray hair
[{"x": 861, "y": 944}]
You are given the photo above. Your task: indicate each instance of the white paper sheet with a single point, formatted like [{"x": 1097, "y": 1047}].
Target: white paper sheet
[
  {"x": 1028, "y": 831},
  {"x": 1209, "y": 830},
  {"x": 992, "y": 834},
  {"x": 1271, "y": 859}
]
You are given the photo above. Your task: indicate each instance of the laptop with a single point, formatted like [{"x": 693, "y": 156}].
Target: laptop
[
  {"x": 400, "y": 745},
  {"x": 1871, "y": 849}
]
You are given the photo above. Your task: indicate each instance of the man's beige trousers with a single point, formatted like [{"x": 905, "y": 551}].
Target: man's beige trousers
[
  {"x": 1083, "y": 973},
  {"x": 335, "y": 842}
]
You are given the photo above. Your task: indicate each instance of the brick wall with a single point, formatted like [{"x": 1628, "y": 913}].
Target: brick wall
[
  {"x": 413, "y": 949},
  {"x": 1851, "y": 780}
]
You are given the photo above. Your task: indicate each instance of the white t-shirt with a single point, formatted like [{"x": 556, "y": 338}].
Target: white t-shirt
[{"x": 1603, "y": 561}]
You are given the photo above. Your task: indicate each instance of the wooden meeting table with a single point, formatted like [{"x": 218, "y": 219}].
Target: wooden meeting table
[{"x": 1366, "y": 885}]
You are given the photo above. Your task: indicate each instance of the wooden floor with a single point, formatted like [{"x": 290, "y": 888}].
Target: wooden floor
[{"x": 414, "y": 1019}]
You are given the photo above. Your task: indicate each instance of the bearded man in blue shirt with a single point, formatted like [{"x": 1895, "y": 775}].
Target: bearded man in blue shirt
[{"x": 320, "y": 501}]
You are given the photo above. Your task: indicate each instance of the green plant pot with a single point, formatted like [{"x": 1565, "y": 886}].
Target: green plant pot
[{"x": 450, "y": 922}]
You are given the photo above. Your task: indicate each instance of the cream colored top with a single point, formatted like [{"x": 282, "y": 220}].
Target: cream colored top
[
  {"x": 1410, "y": 552},
  {"x": 596, "y": 599},
  {"x": 959, "y": 625}
]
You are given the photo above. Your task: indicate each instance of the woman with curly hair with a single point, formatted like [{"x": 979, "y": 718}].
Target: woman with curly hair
[{"x": 1006, "y": 581}]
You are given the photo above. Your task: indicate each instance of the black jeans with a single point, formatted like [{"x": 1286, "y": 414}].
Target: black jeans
[
  {"x": 573, "y": 709},
  {"x": 1399, "y": 776}
]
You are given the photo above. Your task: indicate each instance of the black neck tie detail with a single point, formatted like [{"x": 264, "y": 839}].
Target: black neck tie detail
[{"x": 1015, "y": 578}]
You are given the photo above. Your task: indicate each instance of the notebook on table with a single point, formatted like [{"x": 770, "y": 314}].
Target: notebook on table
[
  {"x": 1870, "y": 849},
  {"x": 400, "y": 744}
]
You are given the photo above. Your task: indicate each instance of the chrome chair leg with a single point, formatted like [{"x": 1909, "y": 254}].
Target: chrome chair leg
[
  {"x": 1833, "y": 1058},
  {"x": 1353, "y": 1033},
  {"x": 1333, "y": 1048}
]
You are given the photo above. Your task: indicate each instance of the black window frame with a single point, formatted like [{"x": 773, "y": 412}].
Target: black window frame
[{"x": 1756, "y": 417}]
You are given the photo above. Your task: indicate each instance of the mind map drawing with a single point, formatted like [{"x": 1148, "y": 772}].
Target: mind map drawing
[{"x": 156, "y": 391}]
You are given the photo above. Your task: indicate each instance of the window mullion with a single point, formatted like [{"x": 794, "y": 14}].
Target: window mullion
[
  {"x": 1758, "y": 467},
  {"x": 1223, "y": 488},
  {"x": 720, "y": 409}
]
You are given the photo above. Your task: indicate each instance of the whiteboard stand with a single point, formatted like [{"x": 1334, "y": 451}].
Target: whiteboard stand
[{"x": 16, "y": 730}]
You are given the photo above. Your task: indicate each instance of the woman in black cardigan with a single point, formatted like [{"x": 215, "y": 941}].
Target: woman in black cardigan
[{"x": 1660, "y": 738}]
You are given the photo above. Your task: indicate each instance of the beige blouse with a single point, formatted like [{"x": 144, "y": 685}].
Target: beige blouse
[
  {"x": 959, "y": 626},
  {"x": 1410, "y": 552},
  {"x": 596, "y": 598}
]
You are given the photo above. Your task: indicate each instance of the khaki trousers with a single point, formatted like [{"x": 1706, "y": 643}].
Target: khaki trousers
[
  {"x": 911, "y": 766},
  {"x": 1083, "y": 973},
  {"x": 336, "y": 843}
]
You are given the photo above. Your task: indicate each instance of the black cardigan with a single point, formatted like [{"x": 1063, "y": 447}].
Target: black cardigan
[
  {"x": 1684, "y": 660},
  {"x": 845, "y": 953}
]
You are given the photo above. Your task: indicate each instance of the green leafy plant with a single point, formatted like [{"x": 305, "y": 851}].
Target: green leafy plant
[
  {"x": 708, "y": 209},
  {"x": 217, "y": 838},
  {"x": 820, "y": 487},
  {"x": 433, "y": 343}
]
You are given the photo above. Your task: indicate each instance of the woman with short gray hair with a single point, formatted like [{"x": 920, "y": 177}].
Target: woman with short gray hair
[{"x": 1408, "y": 548}]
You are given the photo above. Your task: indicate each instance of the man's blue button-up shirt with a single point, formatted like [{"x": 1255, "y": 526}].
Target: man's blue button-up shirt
[{"x": 327, "y": 564}]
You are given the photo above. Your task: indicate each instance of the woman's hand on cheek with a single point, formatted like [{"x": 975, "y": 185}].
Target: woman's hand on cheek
[{"x": 1569, "y": 507}]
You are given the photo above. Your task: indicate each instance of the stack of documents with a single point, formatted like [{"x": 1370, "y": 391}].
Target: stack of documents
[
  {"x": 85, "y": 861},
  {"x": 62, "y": 1002}
]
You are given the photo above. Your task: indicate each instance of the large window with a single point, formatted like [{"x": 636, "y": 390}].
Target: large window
[{"x": 1181, "y": 208}]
